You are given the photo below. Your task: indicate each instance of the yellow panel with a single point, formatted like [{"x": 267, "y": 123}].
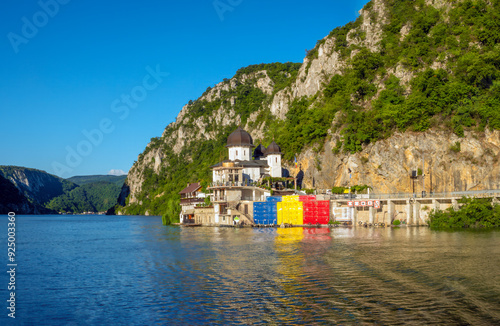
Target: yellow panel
[
  {"x": 300, "y": 217},
  {"x": 287, "y": 213},
  {"x": 290, "y": 199},
  {"x": 280, "y": 212}
]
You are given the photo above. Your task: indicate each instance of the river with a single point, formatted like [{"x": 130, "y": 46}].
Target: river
[{"x": 105, "y": 270}]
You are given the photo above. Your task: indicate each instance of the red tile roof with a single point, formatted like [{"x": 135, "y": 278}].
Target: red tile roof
[{"x": 191, "y": 188}]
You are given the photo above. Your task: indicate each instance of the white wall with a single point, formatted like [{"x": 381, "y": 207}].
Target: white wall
[
  {"x": 274, "y": 162},
  {"x": 216, "y": 177},
  {"x": 252, "y": 173},
  {"x": 239, "y": 153}
]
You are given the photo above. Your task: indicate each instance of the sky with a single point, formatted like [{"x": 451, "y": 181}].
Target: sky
[{"x": 86, "y": 84}]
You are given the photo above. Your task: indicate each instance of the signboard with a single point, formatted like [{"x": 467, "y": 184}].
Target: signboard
[{"x": 364, "y": 203}]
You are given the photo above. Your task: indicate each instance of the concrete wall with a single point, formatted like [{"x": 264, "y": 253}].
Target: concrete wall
[
  {"x": 205, "y": 215},
  {"x": 410, "y": 211}
]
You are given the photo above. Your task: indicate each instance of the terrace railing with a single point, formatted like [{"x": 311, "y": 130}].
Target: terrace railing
[{"x": 451, "y": 194}]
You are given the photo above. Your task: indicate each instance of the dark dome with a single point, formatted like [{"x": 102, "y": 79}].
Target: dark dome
[
  {"x": 259, "y": 151},
  {"x": 273, "y": 148},
  {"x": 239, "y": 137}
]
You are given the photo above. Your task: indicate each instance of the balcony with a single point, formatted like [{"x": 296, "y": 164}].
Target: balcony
[
  {"x": 231, "y": 184},
  {"x": 187, "y": 201}
]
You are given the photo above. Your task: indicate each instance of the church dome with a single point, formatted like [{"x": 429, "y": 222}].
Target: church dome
[
  {"x": 259, "y": 151},
  {"x": 273, "y": 148},
  {"x": 239, "y": 137}
]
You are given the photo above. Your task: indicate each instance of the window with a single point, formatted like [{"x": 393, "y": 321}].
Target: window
[
  {"x": 276, "y": 160},
  {"x": 236, "y": 153}
]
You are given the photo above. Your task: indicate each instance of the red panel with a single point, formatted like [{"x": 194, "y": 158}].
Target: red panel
[
  {"x": 323, "y": 219},
  {"x": 309, "y": 219},
  {"x": 308, "y": 204},
  {"x": 307, "y": 198},
  {"x": 324, "y": 203}
]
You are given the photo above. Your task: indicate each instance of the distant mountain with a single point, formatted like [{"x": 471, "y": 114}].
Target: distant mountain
[
  {"x": 85, "y": 179},
  {"x": 32, "y": 191},
  {"x": 38, "y": 186},
  {"x": 12, "y": 200},
  {"x": 89, "y": 197}
]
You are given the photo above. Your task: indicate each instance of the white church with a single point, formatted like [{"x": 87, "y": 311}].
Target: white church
[{"x": 247, "y": 163}]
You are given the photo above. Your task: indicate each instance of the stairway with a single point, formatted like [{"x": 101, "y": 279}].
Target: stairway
[{"x": 243, "y": 217}]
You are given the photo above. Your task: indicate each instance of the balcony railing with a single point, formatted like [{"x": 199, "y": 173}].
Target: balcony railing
[
  {"x": 192, "y": 200},
  {"x": 429, "y": 195},
  {"x": 231, "y": 184}
]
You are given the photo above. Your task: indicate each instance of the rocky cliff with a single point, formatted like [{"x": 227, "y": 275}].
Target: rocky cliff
[
  {"x": 38, "y": 186},
  {"x": 12, "y": 200},
  {"x": 409, "y": 85}
]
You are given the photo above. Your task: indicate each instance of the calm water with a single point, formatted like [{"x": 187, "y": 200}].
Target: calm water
[{"x": 100, "y": 270}]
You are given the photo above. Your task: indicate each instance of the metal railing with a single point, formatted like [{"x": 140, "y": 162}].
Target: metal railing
[
  {"x": 231, "y": 184},
  {"x": 425, "y": 195},
  {"x": 192, "y": 200}
]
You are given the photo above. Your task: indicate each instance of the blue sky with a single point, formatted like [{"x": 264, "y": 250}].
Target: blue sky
[{"x": 68, "y": 68}]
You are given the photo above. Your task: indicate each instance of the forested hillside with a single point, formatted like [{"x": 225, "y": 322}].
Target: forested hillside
[
  {"x": 89, "y": 197},
  {"x": 46, "y": 193},
  {"x": 407, "y": 80},
  {"x": 85, "y": 179}
]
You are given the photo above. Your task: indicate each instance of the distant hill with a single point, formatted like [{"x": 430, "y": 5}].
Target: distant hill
[
  {"x": 12, "y": 200},
  {"x": 31, "y": 191},
  {"x": 38, "y": 186},
  {"x": 89, "y": 197},
  {"x": 85, "y": 179}
]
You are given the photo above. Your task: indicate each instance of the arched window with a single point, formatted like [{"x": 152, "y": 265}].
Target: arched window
[{"x": 276, "y": 160}]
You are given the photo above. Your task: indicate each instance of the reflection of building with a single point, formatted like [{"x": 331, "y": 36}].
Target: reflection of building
[
  {"x": 233, "y": 180},
  {"x": 190, "y": 197}
]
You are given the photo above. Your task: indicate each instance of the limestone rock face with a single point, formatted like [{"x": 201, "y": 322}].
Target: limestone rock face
[
  {"x": 386, "y": 165},
  {"x": 39, "y": 186},
  {"x": 22, "y": 191},
  {"x": 11, "y": 200}
]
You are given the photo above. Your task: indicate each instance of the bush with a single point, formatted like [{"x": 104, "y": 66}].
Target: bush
[
  {"x": 455, "y": 147},
  {"x": 168, "y": 220},
  {"x": 474, "y": 213},
  {"x": 338, "y": 190},
  {"x": 396, "y": 222}
]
